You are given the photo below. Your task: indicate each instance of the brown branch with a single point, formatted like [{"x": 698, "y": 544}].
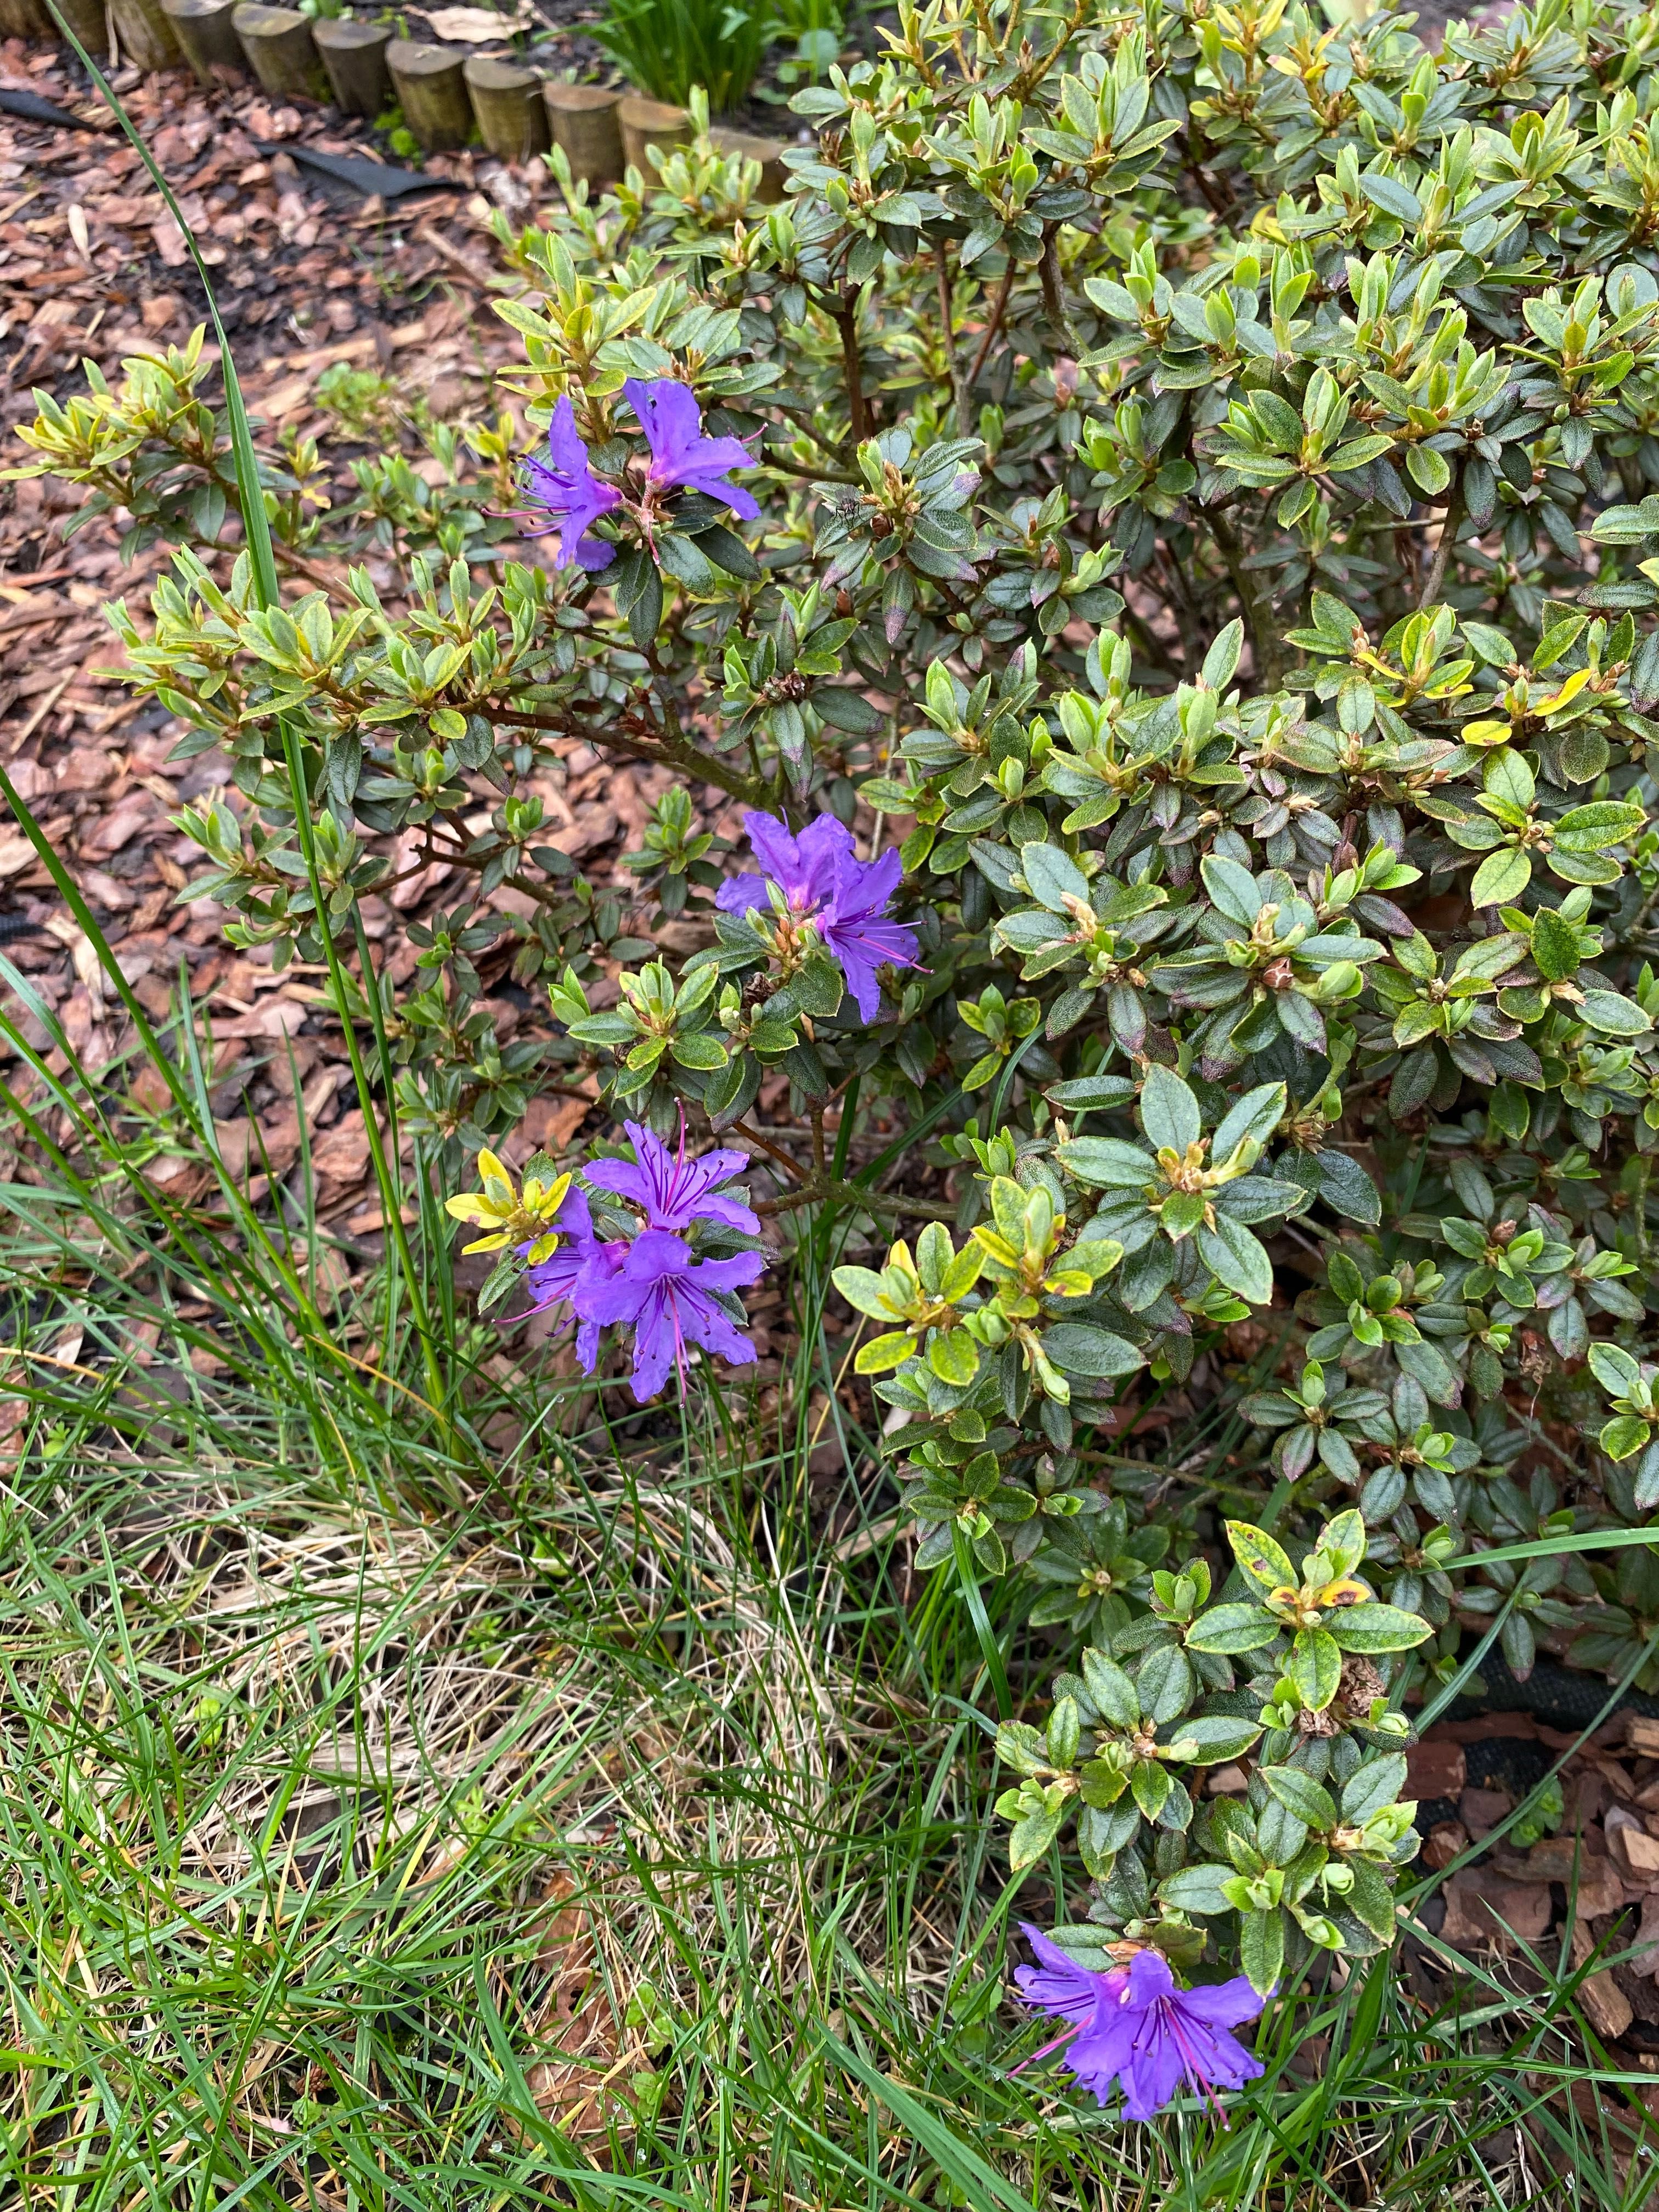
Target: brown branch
[
  {"x": 1256, "y": 605},
  {"x": 754, "y": 1137},
  {"x": 847, "y": 315},
  {"x": 1054, "y": 293},
  {"x": 958, "y": 390},
  {"x": 1456, "y": 509},
  {"x": 753, "y": 790},
  {"x": 999, "y": 308},
  {"x": 815, "y": 1191}
]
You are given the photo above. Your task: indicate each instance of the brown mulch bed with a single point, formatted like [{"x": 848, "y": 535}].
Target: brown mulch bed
[
  {"x": 1590, "y": 1889},
  {"x": 92, "y": 267}
]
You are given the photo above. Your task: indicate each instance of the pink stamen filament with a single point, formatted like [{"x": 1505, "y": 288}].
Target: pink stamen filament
[
  {"x": 1194, "y": 2071},
  {"x": 1064, "y": 2036}
]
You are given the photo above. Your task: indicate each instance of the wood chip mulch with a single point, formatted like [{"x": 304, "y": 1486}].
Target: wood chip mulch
[{"x": 93, "y": 267}]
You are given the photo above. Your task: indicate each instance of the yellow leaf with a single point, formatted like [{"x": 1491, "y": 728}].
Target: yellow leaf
[
  {"x": 498, "y": 1184},
  {"x": 1569, "y": 691}
]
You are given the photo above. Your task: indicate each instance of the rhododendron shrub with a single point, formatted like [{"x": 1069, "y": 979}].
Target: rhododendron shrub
[{"x": 1151, "y": 544}]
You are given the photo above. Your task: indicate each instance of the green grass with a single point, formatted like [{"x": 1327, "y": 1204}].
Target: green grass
[{"x": 360, "y": 1758}]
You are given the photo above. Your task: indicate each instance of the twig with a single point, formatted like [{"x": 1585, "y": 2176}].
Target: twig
[
  {"x": 816, "y": 1190},
  {"x": 1457, "y": 507},
  {"x": 1256, "y": 606},
  {"x": 754, "y": 791},
  {"x": 999, "y": 308},
  {"x": 942, "y": 269},
  {"x": 1053, "y": 294},
  {"x": 847, "y": 315},
  {"x": 754, "y": 1137},
  {"x": 475, "y": 271},
  {"x": 41, "y": 712}
]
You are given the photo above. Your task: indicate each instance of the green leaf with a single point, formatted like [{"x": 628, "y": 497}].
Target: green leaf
[
  {"x": 1237, "y": 1260},
  {"x": 868, "y": 1293},
  {"x": 1219, "y": 1736},
  {"x": 1613, "y": 1369},
  {"x": 1166, "y": 1684},
  {"x": 1261, "y": 1950},
  {"x": 954, "y": 1358},
  {"x": 1111, "y": 1692},
  {"x": 1376, "y": 1627},
  {"x": 1221, "y": 661},
  {"x": 1554, "y": 946},
  {"x": 1501, "y": 878},
  {"x": 1169, "y": 1111},
  {"x": 1149, "y": 1785},
  {"x": 1030, "y": 1838},
  {"x": 882, "y": 1353},
  {"x": 1264, "y": 1561},
  {"x": 1197, "y": 1889},
  {"x": 1592, "y": 829},
  {"x": 817, "y": 988},
  {"x": 1394, "y": 197},
  {"x": 1232, "y": 1628},
  {"x": 1256, "y": 1117},
  {"x": 700, "y": 1050},
  {"x": 685, "y": 560},
  {"x": 1370, "y": 1900},
  {"x": 1316, "y": 1666},
  {"x": 1373, "y": 1786},
  {"x": 1624, "y": 1436},
  {"x": 727, "y": 551},
  {"x": 1077, "y": 1347},
  {"x": 1232, "y": 889},
  {"x": 1107, "y": 1163},
  {"x": 846, "y": 710},
  {"x": 1298, "y": 1793},
  {"x": 1613, "y": 1015},
  {"x": 1343, "y": 1540},
  {"x": 1053, "y": 876},
  {"x": 1022, "y": 1747}
]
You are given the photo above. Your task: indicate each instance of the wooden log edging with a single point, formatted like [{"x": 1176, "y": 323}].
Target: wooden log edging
[
  {"x": 647, "y": 123},
  {"x": 582, "y": 119},
  {"x": 354, "y": 55},
  {"x": 87, "y": 19},
  {"x": 206, "y": 31},
  {"x": 431, "y": 89},
  {"x": 144, "y": 35},
  {"x": 507, "y": 100},
  {"x": 445, "y": 93},
  {"x": 280, "y": 49}
]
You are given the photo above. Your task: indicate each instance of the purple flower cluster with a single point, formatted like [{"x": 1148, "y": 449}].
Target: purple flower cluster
[
  {"x": 651, "y": 1282},
  {"x": 572, "y": 494},
  {"x": 823, "y": 881},
  {"x": 565, "y": 487},
  {"x": 1136, "y": 2026}
]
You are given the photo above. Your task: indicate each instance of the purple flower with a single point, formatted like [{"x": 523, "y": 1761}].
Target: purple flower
[
  {"x": 680, "y": 454},
  {"x": 572, "y": 494},
  {"x": 853, "y": 927},
  {"x": 823, "y": 881},
  {"x": 671, "y": 1191},
  {"x": 1134, "y": 2025},
  {"x": 667, "y": 1299},
  {"x": 803, "y": 868},
  {"x": 578, "y": 1258}
]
